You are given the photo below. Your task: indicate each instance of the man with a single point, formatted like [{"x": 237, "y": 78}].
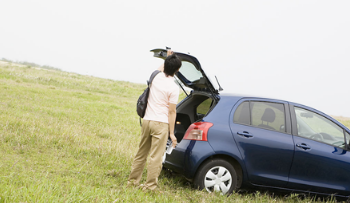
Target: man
[{"x": 158, "y": 123}]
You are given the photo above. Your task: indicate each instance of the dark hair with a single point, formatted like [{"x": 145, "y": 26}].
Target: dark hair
[{"x": 172, "y": 64}]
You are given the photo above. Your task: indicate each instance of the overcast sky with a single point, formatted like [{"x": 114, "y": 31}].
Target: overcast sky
[{"x": 296, "y": 50}]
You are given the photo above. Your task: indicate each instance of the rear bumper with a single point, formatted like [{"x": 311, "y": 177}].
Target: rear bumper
[{"x": 187, "y": 157}]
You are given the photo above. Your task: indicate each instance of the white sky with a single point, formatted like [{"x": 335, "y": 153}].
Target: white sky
[{"x": 297, "y": 50}]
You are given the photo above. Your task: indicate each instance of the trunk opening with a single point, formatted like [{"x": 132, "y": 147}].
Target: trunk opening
[{"x": 194, "y": 108}]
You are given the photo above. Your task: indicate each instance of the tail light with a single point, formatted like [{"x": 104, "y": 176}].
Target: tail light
[{"x": 198, "y": 131}]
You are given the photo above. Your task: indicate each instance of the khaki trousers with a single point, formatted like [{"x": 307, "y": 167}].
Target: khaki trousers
[{"x": 154, "y": 136}]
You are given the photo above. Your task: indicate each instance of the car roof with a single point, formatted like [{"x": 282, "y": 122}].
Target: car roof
[
  {"x": 237, "y": 97},
  {"x": 246, "y": 96},
  {"x": 241, "y": 96}
]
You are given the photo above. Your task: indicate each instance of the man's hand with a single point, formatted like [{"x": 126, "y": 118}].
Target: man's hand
[
  {"x": 169, "y": 52},
  {"x": 171, "y": 119},
  {"x": 173, "y": 139}
]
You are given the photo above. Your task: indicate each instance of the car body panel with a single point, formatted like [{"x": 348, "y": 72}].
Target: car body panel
[
  {"x": 321, "y": 168},
  {"x": 222, "y": 142},
  {"x": 175, "y": 160},
  {"x": 196, "y": 153}
]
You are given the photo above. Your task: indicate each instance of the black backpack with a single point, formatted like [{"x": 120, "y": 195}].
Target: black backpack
[{"x": 142, "y": 101}]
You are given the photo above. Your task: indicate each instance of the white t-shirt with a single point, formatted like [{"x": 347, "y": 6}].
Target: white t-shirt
[{"x": 163, "y": 91}]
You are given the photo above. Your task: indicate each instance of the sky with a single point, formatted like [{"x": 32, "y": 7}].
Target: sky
[{"x": 295, "y": 50}]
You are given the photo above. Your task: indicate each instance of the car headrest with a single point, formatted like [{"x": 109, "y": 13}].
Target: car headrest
[{"x": 269, "y": 115}]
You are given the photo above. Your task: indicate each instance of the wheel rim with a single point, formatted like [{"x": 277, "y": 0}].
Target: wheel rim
[{"x": 218, "y": 179}]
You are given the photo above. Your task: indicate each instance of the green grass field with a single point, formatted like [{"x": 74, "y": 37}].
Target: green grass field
[{"x": 66, "y": 137}]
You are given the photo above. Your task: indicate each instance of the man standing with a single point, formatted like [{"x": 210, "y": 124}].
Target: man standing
[{"x": 158, "y": 123}]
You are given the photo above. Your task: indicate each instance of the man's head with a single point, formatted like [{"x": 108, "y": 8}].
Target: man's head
[{"x": 171, "y": 65}]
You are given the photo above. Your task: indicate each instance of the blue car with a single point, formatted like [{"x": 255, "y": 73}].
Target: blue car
[{"x": 227, "y": 142}]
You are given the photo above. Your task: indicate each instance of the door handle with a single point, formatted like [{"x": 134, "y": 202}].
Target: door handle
[
  {"x": 245, "y": 134},
  {"x": 303, "y": 146}
]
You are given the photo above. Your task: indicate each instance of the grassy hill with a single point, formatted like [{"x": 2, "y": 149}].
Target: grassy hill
[{"x": 66, "y": 137}]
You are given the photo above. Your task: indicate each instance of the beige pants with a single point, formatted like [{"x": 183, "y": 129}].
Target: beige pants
[{"x": 154, "y": 136}]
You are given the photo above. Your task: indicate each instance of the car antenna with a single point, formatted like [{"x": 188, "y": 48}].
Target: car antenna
[{"x": 220, "y": 88}]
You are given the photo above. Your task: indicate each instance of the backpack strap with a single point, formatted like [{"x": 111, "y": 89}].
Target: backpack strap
[{"x": 149, "y": 82}]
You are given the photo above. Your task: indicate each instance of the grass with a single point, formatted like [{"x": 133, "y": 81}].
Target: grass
[{"x": 66, "y": 137}]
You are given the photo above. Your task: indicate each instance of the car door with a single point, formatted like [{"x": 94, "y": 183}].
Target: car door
[
  {"x": 262, "y": 131},
  {"x": 322, "y": 159}
]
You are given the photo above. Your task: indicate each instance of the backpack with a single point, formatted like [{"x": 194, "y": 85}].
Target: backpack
[{"x": 142, "y": 101}]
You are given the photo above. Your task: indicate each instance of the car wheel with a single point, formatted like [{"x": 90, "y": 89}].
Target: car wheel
[{"x": 216, "y": 175}]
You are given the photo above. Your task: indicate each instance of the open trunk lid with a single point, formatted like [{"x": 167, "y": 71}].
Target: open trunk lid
[{"x": 191, "y": 73}]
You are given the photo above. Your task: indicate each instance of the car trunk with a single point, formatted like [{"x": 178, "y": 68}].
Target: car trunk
[
  {"x": 192, "y": 109},
  {"x": 204, "y": 96}
]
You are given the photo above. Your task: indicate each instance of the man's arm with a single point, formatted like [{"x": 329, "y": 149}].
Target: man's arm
[
  {"x": 161, "y": 68},
  {"x": 171, "y": 119}
]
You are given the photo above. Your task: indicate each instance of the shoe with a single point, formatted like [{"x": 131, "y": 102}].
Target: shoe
[{"x": 131, "y": 184}]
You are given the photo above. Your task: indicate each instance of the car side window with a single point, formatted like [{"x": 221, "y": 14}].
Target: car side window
[
  {"x": 204, "y": 107},
  {"x": 268, "y": 115},
  {"x": 316, "y": 127},
  {"x": 242, "y": 114}
]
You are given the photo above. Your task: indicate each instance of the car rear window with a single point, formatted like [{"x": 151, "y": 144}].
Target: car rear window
[{"x": 190, "y": 71}]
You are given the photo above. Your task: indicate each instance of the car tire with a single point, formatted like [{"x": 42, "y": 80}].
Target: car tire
[{"x": 216, "y": 175}]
